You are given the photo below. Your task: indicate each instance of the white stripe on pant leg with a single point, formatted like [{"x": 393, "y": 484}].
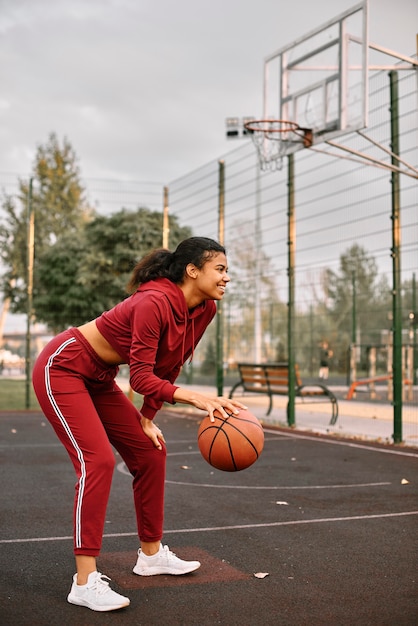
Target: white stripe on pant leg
[{"x": 82, "y": 479}]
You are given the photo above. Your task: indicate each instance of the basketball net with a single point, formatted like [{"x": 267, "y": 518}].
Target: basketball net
[{"x": 272, "y": 139}]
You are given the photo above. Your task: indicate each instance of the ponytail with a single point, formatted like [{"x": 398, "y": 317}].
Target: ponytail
[
  {"x": 162, "y": 263},
  {"x": 153, "y": 265}
]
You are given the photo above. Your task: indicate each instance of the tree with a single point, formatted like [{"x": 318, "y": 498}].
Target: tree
[
  {"x": 80, "y": 277},
  {"x": 13, "y": 237},
  {"x": 356, "y": 284},
  {"x": 354, "y": 264},
  {"x": 62, "y": 300},
  {"x": 117, "y": 242},
  {"x": 60, "y": 209},
  {"x": 250, "y": 288}
]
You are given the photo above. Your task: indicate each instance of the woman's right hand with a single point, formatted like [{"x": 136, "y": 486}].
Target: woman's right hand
[{"x": 210, "y": 404}]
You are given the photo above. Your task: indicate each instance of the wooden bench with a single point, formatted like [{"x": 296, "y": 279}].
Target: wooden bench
[{"x": 273, "y": 379}]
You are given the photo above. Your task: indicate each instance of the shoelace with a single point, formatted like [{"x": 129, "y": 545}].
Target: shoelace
[
  {"x": 101, "y": 584},
  {"x": 167, "y": 553}
]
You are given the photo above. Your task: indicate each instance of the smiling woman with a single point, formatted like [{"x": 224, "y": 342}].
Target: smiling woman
[{"x": 154, "y": 331}]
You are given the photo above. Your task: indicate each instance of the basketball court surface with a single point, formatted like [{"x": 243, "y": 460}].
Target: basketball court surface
[{"x": 317, "y": 531}]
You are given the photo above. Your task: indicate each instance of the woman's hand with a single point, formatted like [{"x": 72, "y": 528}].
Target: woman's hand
[
  {"x": 152, "y": 431},
  {"x": 225, "y": 406}
]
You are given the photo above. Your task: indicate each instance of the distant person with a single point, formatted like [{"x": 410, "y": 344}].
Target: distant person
[
  {"x": 155, "y": 330},
  {"x": 324, "y": 360}
]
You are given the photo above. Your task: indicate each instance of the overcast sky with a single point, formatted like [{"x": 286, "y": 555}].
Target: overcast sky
[{"x": 141, "y": 88}]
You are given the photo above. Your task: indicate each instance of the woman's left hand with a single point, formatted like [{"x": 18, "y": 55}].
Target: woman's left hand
[{"x": 153, "y": 432}]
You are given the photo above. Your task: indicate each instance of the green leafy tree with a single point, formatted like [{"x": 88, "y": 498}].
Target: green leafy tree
[
  {"x": 13, "y": 241},
  {"x": 58, "y": 195},
  {"x": 62, "y": 300},
  {"x": 358, "y": 272},
  {"x": 81, "y": 277},
  {"x": 357, "y": 281},
  {"x": 253, "y": 282},
  {"x": 59, "y": 206},
  {"x": 116, "y": 243}
]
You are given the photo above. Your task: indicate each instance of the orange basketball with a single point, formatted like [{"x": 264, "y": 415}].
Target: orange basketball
[{"x": 231, "y": 443}]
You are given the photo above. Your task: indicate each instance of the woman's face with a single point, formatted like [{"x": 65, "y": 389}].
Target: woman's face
[{"x": 212, "y": 278}]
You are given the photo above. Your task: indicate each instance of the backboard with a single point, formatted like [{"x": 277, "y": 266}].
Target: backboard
[{"x": 320, "y": 81}]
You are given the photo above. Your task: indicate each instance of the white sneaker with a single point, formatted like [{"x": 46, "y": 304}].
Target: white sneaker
[
  {"x": 163, "y": 562},
  {"x": 96, "y": 594}
]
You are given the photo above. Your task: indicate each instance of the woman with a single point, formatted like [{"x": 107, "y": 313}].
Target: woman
[{"x": 154, "y": 331}]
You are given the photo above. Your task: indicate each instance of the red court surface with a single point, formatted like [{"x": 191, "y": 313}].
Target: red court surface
[{"x": 332, "y": 522}]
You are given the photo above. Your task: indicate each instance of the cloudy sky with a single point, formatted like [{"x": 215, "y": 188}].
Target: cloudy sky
[{"x": 141, "y": 88}]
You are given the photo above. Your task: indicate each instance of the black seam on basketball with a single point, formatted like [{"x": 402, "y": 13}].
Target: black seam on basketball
[
  {"x": 220, "y": 428},
  {"x": 226, "y": 421},
  {"x": 229, "y": 447}
]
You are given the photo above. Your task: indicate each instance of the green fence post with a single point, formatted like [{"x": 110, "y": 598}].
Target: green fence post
[
  {"x": 396, "y": 263},
  {"x": 414, "y": 331},
  {"x": 291, "y": 289},
  {"x": 29, "y": 290},
  {"x": 219, "y": 317}
]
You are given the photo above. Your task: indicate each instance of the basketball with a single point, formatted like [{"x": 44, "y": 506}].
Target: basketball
[{"x": 231, "y": 443}]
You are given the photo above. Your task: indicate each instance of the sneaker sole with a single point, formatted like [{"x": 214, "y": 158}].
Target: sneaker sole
[
  {"x": 156, "y": 571},
  {"x": 96, "y": 607}
]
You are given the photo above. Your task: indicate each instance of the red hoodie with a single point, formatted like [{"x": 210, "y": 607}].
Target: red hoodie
[{"x": 155, "y": 333}]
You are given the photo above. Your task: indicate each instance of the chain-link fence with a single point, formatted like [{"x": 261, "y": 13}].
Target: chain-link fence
[
  {"x": 343, "y": 268},
  {"x": 343, "y": 250}
]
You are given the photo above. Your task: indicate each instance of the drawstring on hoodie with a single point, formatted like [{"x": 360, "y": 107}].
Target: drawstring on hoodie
[
  {"x": 184, "y": 342},
  {"x": 185, "y": 319}
]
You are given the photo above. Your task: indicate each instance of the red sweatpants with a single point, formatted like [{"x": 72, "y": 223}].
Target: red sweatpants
[{"x": 90, "y": 414}]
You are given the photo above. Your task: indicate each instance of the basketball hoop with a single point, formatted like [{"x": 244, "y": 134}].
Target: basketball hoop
[{"x": 274, "y": 139}]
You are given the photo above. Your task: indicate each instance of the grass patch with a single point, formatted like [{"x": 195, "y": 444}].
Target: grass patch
[{"x": 13, "y": 396}]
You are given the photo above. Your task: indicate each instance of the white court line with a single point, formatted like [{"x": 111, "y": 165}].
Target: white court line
[
  {"x": 121, "y": 467},
  {"x": 348, "y": 444},
  {"x": 278, "y": 487},
  {"x": 235, "y": 527},
  {"x": 13, "y": 446}
]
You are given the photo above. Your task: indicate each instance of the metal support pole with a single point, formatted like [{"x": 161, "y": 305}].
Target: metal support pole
[
  {"x": 219, "y": 317},
  {"x": 166, "y": 226},
  {"x": 291, "y": 289},
  {"x": 311, "y": 341},
  {"x": 414, "y": 331},
  {"x": 354, "y": 308},
  {"x": 353, "y": 351},
  {"x": 29, "y": 289},
  {"x": 396, "y": 264},
  {"x": 257, "y": 307}
]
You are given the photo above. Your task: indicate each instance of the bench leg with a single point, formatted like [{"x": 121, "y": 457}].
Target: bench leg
[
  {"x": 270, "y": 404},
  {"x": 334, "y": 415},
  {"x": 231, "y": 393},
  {"x": 287, "y": 417}
]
